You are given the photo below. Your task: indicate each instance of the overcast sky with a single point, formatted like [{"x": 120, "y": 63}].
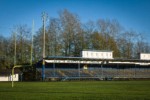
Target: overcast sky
[{"x": 131, "y": 14}]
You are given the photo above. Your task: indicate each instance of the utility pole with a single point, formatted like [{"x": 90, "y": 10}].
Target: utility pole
[{"x": 44, "y": 18}]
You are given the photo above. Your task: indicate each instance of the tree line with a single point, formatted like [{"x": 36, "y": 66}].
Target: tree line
[{"x": 68, "y": 36}]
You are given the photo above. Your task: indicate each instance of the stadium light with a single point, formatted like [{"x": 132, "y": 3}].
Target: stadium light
[{"x": 44, "y": 18}]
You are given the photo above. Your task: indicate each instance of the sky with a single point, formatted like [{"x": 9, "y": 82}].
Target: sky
[{"x": 131, "y": 14}]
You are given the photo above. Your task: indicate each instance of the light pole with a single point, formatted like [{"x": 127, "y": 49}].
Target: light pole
[{"x": 44, "y": 18}]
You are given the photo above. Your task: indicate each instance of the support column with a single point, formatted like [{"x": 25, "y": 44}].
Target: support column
[
  {"x": 79, "y": 70},
  {"x": 117, "y": 70},
  {"x": 54, "y": 70},
  {"x": 102, "y": 71},
  {"x": 135, "y": 71}
]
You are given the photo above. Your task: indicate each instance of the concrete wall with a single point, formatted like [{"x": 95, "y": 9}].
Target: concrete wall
[{"x": 9, "y": 78}]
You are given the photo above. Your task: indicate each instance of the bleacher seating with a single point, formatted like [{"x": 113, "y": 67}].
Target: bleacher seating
[{"x": 97, "y": 73}]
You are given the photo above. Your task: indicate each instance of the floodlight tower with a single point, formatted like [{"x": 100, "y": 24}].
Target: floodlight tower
[{"x": 44, "y": 18}]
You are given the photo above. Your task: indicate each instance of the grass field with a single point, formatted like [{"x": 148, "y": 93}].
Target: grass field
[{"x": 87, "y": 90}]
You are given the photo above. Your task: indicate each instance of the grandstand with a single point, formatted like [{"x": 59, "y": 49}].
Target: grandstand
[
  {"x": 97, "y": 65},
  {"x": 75, "y": 68}
]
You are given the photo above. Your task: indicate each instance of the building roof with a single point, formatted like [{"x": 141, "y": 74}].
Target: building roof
[
  {"x": 98, "y": 50},
  {"x": 92, "y": 59},
  {"x": 144, "y": 53}
]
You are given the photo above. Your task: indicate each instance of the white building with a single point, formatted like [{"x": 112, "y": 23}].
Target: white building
[
  {"x": 5, "y": 75},
  {"x": 9, "y": 77},
  {"x": 145, "y": 56},
  {"x": 97, "y": 54}
]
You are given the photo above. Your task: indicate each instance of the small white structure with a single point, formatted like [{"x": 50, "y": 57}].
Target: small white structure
[
  {"x": 145, "y": 56},
  {"x": 97, "y": 54},
  {"x": 9, "y": 78},
  {"x": 6, "y": 75}
]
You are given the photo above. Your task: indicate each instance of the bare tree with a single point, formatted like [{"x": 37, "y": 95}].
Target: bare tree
[
  {"x": 109, "y": 29},
  {"x": 23, "y": 37},
  {"x": 53, "y": 31},
  {"x": 89, "y": 28},
  {"x": 71, "y": 30}
]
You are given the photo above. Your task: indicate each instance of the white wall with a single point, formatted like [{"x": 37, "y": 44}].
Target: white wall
[
  {"x": 9, "y": 78},
  {"x": 98, "y": 54},
  {"x": 144, "y": 56}
]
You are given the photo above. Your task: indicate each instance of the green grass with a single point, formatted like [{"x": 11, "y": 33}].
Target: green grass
[{"x": 87, "y": 90}]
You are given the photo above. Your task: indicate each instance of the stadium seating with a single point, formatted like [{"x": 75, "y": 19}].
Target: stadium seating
[{"x": 97, "y": 73}]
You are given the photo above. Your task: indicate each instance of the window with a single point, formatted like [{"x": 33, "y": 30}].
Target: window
[
  {"x": 96, "y": 54},
  {"x": 107, "y": 54}
]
